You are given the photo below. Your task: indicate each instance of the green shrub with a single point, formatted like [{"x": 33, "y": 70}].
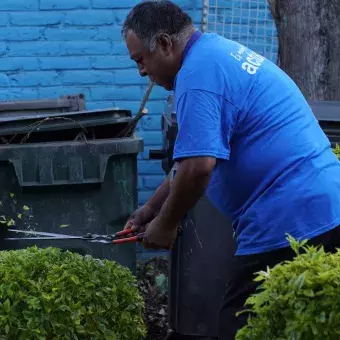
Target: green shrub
[
  {"x": 298, "y": 299},
  {"x": 53, "y": 294},
  {"x": 336, "y": 150}
]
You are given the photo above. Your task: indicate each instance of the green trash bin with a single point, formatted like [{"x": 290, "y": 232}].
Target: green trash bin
[{"x": 71, "y": 186}]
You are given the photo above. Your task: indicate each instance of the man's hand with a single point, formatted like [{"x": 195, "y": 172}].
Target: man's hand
[
  {"x": 144, "y": 215},
  {"x": 140, "y": 218},
  {"x": 159, "y": 235}
]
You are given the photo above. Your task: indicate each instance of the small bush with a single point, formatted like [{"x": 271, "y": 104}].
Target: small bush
[
  {"x": 336, "y": 150},
  {"x": 53, "y": 294},
  {"x": 298, "y": 299}
]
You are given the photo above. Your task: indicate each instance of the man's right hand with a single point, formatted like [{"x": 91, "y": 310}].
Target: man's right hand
[{"x": 140, "y": 218}]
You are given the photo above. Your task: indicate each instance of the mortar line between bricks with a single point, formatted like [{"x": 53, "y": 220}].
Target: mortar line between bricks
[{"x": 90, "y": 49}]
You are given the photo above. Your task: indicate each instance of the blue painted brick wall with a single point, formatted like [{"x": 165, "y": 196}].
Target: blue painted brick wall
[{"x": 53, "y": 47}]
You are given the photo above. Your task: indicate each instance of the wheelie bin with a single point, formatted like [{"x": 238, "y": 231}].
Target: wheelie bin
[
  {"x": 199, "y": 259},
  {"x": 68, "y": 173}
]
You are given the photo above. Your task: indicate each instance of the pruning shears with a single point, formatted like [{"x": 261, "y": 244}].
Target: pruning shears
[{"x": 108, "y": 239}]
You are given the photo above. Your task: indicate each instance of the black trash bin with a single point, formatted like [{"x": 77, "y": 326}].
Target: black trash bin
[
  {"x": 68, "y": 174},
  {"x": 328, "y": 115},
  {"x": 200, "y": 257}
]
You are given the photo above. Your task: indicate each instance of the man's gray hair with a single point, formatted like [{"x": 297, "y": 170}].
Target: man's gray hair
[{"x": 149, "y": 19}]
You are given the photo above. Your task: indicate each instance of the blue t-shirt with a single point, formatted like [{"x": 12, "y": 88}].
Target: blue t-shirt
[{"x": 276, "y": 172}]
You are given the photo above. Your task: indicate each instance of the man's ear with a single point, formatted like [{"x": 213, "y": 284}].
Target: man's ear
[{"x": 164, "y": 43}]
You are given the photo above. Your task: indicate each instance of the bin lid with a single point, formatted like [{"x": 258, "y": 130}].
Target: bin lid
[
  {"x": 66, "y": 103},
  {"x": 77, "y": 121},
  {"x": 64, "y": 120},
  {"x": 325, "y": 110}
]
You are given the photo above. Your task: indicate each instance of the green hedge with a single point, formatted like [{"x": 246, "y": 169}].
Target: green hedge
[
  {"x": 53, "y": 294},
  {"x": 298, "y": 299},
  {"x": 336, "y": 150}
]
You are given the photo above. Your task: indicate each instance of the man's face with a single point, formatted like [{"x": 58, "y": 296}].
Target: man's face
[{"x": 160, "y": 65}]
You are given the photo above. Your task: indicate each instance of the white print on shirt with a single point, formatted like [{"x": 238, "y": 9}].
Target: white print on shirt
[{"x": 252, "y": 60}]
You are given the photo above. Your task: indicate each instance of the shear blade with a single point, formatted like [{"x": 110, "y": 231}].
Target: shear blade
[
  {"x": 41, "y": 238},
  {"x": 50, "y": 235}
]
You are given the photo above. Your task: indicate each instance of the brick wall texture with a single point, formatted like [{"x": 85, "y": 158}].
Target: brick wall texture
[{"x": 49, "y": 48}]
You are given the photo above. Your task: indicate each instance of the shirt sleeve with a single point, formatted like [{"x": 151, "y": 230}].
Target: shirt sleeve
[{"x": 204, "y": 128}]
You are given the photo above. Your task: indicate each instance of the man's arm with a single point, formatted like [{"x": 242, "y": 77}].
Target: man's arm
[
  {"x": 201, "y": 140},
  {"x": 189, "y": 185},
  {"x": 203, "y": 137},
  {"x": 160, "y": 195},
  {"x": 144, "y": 215}
]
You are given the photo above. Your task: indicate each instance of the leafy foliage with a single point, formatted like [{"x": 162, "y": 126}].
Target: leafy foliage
[
  {"x": 52, "y": 294},
  {"x": 298, "y": 299},
  {"x": 336, "y": 150},
  {"x": 153, "y": 286}
]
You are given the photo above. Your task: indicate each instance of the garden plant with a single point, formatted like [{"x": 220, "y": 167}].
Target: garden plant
[{"x": 49, "y": 294}]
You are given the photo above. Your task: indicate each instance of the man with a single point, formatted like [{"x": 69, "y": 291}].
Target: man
[{"x": 247, "y": 138}]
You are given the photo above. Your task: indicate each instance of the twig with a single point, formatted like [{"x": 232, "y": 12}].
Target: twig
[
  {"x": 3, "y": 140},
  {"x": 81, "y": 135},
  {"x": 35, "y": 125},
  {"x": 141, "y": 113}
]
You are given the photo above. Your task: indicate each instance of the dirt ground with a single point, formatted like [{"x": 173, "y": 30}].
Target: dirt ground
[{"x": 153, "y": 285}]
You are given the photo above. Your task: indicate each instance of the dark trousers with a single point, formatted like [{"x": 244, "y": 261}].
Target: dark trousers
[{"x": 241, "y": 283}]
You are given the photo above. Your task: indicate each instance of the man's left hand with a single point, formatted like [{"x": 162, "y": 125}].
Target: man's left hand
[{"x": 159, "y": 235}]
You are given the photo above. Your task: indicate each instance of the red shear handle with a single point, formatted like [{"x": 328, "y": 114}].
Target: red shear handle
[
  {"x": 137, "y": 238},
  {"x": 124, "y": 232}
]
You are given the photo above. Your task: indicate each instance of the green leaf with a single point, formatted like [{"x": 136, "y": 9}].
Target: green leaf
[
  {"x": 63, "y": 225},
  {"x": 11, "y": 222},
  {"x": 7, "y": 328},
  {"x": 300, "y": 281},
  {"x": 25, "y": 208},
  {"x": 7, "y": 306},
  {"x": 308, "y": 292},
  {"x": 336, "y": 150},
  {"x": 75, "y": 279},
  {"x": 322, "y": 317},
  {"x": 162, "y": 282}
]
